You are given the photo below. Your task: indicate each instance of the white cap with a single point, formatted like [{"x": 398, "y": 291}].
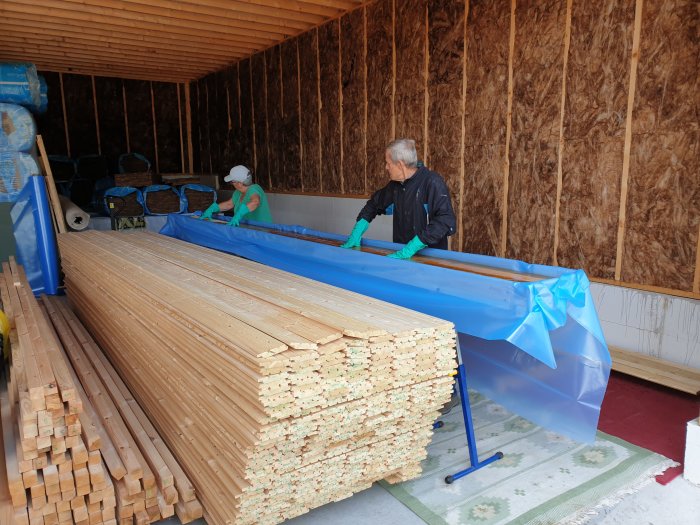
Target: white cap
[{"x": 239, "y": 174}]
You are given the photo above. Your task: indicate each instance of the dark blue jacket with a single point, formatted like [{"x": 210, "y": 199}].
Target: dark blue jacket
[{"x": 420, "y": 205}]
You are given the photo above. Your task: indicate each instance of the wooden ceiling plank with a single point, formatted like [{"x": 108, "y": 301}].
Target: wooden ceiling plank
[
  {"x": 37, "y": 24},
  {"x": 96, "y": 59},
  {"x": 156, "y": 17},
  {"x": 323, "y": 9},
  {"x": 60, "y": 43},
  {"x": 48, "y": 9},
  {"x": 80, "y": 68},
  {"x": 188, "y": 10},
  {"x": 89, "y": 38},
  {"x": 311, "y": 19}
]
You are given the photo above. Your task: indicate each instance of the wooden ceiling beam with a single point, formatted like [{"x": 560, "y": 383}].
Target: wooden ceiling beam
[
  {"x": 38, "y": 23},
  {"x": 50, "y": 9},
  {"x": 326, "y": 8},
  {"x": 89, "y": 38},
  {"x": 32, "y": 41},
  {"x": 124, "y": 56}
]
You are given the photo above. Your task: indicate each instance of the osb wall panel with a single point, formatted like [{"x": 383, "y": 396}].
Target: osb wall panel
[
  {"x": 227, "y": 152},
  {"x": 247, "y": 138},
  {"x": 594, "y": 129},
  {"x": 262, "y": 169},
  {"x": 80, "y": 115},
  {"x": 214, "y": 117},
  {"x": 196, "y": 128},
  {"x": 663, "y": 206},
  {"x": 330, "y": 107},
  {"x": 291, "y": 148},
  {"x": 185, "y": 165},
  {"x": 485, "y": 120},
  {"x": 167, "y": 126},
  {"x": 222, "y": 120},
  {"x": 234, "y": 134},
  {"x": 409, "y": 102},
  {"x": 308, "y": 63},
  {"x": 446, "y": 69},
  {"x": 140, "y": 118},
  {"x": 203, "y": 111},
  {"x": 50, "y": 125},
  {"x": 537, "y": 84},
  {"x": 274, "y": 117},
  {"x": 379, "y": 89},
  {"x": 110, "y": 108},
  {"x": 352, "y": 45}
]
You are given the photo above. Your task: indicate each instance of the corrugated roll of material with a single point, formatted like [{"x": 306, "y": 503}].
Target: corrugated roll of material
[{"x": 76, "y": 217}]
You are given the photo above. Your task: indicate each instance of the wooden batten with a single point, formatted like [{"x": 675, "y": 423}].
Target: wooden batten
[{"x": 293, "y": 363}]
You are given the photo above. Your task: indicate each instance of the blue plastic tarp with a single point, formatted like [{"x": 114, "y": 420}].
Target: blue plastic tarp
[
  {"x": 35, "y": 241},
  {"x": 546, "y": 333},
  {"x": 162, "y": 187}
]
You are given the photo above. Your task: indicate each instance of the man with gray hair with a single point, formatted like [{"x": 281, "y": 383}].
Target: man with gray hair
[{"x": 418, "y": 199}]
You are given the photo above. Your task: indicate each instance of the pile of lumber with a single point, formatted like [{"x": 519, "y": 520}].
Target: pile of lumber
[
  {"x": 276, "y": 393},
  {"x": 77, "y": 448}
]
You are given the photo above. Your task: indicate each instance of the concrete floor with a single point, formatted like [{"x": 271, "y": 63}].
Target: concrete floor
[{"x": 677, "y": 503}]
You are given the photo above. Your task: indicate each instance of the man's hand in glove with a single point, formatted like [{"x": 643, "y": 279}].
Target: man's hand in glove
[
  {"x": 355, "y": 236},
  {"x": 409, "y": 250}
]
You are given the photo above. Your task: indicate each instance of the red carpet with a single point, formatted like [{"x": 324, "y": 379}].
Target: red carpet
[{"x": 650, "y": 416}]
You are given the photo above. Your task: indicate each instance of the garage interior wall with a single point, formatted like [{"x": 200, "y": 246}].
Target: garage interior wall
[
  {"x": 89, "y": 115},
  {"x": 567, "y": 130}
]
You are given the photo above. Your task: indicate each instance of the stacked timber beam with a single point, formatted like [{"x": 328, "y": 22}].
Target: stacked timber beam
[
  {"x": 101, "y": 464},
  {"x": 276, "y": 393}
]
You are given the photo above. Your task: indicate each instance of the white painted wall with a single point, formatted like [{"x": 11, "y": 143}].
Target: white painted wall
[
  {"x": 657, "y": 325},
  {"x": 328, "y": 214},
  {"x": 653, "y": 324}
]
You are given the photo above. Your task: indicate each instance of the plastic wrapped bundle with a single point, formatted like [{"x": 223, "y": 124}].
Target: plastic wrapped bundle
[
  {"x": 43, "y": 96},
  {"x": 19, "y": 84},
  {"x": 17, "y": 128},
  {"x": 124, "y": 202},
  {"x": 197, "y": 197},
  {"x": 161, "y": 199},
  {"x": 15, "y": 170}
]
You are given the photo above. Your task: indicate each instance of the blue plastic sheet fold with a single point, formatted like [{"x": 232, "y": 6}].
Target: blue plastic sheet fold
[
  {"x": 535, "y": 347},
  {"x": 35, "y": 241}
]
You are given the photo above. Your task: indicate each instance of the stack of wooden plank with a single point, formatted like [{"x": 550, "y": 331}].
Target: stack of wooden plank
[
  {"x": 54, "y": 468},
  {"x": 277, "y": 394},
  {"x": 102, "y": 463}
]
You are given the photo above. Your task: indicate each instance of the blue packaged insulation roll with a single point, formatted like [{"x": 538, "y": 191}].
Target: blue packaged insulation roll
[
  {"x": 19, "y": 84},
  {"x": 15, "y": 170},
  {"x": 17, "y": 128}
]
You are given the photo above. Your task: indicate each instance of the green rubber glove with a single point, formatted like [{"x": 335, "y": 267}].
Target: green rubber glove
[
  {"x": 409, "y": 250},
  {"x": 211, "y": 210},
  {"x": 236, "y": 219},
  {"x": 355, "y": 236}
]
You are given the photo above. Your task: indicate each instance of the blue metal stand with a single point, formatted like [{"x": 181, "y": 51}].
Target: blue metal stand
[{"x": 469, "y": 427}]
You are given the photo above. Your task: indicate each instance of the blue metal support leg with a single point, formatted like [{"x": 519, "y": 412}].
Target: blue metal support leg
[{"x": 469, "y": 427}]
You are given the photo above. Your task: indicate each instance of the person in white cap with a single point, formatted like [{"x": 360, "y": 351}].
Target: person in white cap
[{"x": 249, "y": 200}]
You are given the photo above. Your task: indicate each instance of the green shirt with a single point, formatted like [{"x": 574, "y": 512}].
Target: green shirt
[{"x": 261, "y": 213}]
